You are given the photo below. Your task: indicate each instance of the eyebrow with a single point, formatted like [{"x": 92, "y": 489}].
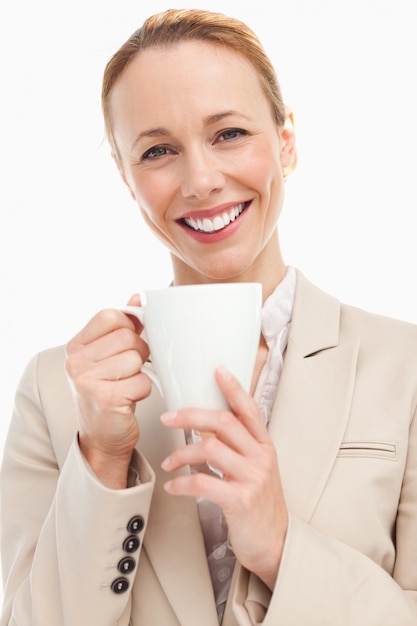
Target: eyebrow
[{"x": 160, "y": 131}]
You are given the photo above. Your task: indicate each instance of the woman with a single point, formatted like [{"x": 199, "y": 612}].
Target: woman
[{"x": 108, "y": 516}]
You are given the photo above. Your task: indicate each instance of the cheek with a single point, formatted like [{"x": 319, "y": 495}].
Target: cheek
[
  {"x": 156, "y": 224},
  {"x": 152, "y": 198},
  {"x": 262, "y": 167},
  {"x": 267, "y": 179}
]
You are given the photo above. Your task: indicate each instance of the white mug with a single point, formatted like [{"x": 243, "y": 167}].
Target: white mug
[{"x": 193, "y": 329}]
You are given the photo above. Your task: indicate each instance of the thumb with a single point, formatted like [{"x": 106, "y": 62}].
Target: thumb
[{"x": 134, "y": 300}]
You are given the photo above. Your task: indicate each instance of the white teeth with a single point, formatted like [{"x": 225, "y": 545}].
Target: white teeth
[
  {"x": 226, "y": 218},
  {"x": 220, "y": 221},
  {"x": 208, "y": 226}
]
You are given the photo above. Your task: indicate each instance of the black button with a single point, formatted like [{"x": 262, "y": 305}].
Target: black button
[
  {"x": 126, "y": 565},
  {"x": 136, "y": 524},
  {"x": 120, "y": 585},
  {"x": 131, "y": 543}
]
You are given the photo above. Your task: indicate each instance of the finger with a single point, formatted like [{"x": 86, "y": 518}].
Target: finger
[
  {"x": 103, "y": 323},
  {"x": 239, "y": 463},
  {"x": 132, "y": 389},
  {"x": 117, "y": 395},
  {"x": 207, "y": 453},
  {"x": 241, "y": 404},
  {"x": 117, "y": 342},
  {"x": 99, "y": 357},
  {"x": 119, "y": 366},
  {"x": 135, "y": 300},
  {"x": 222, "y": 424},
  {"x": 200, "y": 485}
]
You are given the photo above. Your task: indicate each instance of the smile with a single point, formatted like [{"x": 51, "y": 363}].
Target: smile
[{"x": 219, "y": 222}]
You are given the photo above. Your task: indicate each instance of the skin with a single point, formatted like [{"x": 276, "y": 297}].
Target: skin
[{"x": 196, "y": 138}]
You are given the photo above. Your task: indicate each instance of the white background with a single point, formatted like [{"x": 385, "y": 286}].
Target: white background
[{"x": 72, "y": 240}]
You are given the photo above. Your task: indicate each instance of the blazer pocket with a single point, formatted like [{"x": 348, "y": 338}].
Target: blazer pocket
[{"x": 368, "y": 449}]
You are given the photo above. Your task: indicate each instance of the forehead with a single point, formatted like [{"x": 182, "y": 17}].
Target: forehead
[
  {"x": 192, "y": 55},
  {"x": 183, "y": 75}
]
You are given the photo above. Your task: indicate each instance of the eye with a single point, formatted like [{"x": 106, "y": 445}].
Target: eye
[
  {"x": 231, "y": 133},
  {"x": 156, "y": 152}
]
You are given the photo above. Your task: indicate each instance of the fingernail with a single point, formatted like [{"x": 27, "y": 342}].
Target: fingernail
[
  {"x": 166, "y": 463},
  {"x": 167, "y": 485},
  {"x": 169, "y": 416},
  {"x": 224, "y": 373}
]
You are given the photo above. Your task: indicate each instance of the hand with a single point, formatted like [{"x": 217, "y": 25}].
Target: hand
[
  {"x": 250, "y": 493},
  {"x": 104, "y": 364}
]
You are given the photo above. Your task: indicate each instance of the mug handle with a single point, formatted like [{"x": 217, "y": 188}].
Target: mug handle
[{"x": 139, "y": 313}]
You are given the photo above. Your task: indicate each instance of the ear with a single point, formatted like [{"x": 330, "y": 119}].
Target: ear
[
  {"x": 123, "y": 175},
  {"x": 288, "y": 146}
]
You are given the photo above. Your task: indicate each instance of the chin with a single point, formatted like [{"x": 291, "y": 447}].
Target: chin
[{"x": 225, "y": 272}]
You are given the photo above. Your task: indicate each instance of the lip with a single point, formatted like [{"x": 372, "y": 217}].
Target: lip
[
  {"x": 218, "y": 211},
  {"x": 212, "y": 212}
]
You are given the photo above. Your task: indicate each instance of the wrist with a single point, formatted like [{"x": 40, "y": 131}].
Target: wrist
[{"x": 110, "y": 469}]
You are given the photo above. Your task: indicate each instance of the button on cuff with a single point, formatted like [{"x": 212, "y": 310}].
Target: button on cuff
[
  {"x": 120, "y": 585},
  {"x": 136, "y": 524},
  {"x": 131, "y": 544},
  {"x": 126, "y": 565}
]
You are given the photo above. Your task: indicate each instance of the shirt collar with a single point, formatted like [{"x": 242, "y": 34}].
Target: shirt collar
[{"x": 277, "y": 308}]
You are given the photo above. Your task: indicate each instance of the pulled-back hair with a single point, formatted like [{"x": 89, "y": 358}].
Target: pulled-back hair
[{"x": 175, "y": 25}]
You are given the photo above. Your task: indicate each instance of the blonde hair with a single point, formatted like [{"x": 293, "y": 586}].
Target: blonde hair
[{"x": 175, "y": 25}]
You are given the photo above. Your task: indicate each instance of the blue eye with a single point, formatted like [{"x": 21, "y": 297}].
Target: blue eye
[
  {"x": 155, "y": 152},
  {"x": 231, "y": 133}
]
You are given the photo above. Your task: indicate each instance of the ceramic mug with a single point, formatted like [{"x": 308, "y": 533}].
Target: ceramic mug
[{"x": 193, "y": 329}]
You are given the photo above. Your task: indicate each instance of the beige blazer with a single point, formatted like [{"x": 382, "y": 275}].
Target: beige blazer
[{"x": 347, "y": 444}]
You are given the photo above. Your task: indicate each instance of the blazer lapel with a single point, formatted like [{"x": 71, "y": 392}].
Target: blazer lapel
[
  {"x": 313, "y": 400},
  {"x": 174, "y": 541}
]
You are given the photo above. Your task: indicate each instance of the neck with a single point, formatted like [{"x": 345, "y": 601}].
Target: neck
[{"x": 268, "y": 268}]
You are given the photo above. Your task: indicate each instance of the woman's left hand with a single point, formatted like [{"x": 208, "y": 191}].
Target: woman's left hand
[{"x": 250, "y": 493}]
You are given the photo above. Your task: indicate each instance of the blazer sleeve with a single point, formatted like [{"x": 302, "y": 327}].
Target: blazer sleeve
[
  {"x": 323, "y": 581},
  {"x": 64, "y": 535}
]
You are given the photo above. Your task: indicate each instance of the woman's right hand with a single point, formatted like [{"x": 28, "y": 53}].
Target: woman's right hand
[{"x": 104, "y": 363}]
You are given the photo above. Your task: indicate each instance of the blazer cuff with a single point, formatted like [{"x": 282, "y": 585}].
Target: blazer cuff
[{"x": 139, "y": 473}]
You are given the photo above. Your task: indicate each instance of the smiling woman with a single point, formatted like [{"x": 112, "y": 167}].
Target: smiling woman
[
  {"x": 191, "y": 156},
  {"x": 204, "y": 143}
]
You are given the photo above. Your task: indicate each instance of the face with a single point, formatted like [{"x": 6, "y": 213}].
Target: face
[{"x": 203, "y": 158}]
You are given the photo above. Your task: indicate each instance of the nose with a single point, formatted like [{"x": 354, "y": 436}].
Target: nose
[{"x": 201, "y": 175}]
